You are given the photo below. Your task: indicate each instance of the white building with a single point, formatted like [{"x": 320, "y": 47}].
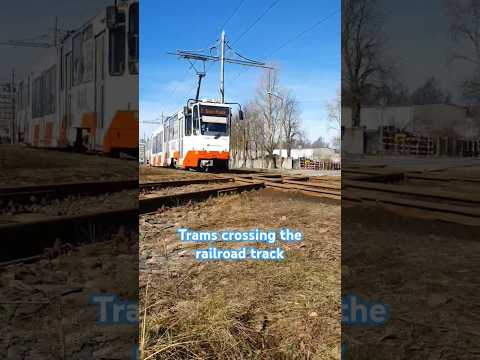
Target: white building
[
  {"x": 434, "y": 120},
  {"x": 309, "y": 153}
]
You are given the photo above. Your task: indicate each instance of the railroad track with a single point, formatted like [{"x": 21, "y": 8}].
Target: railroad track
[
  {"x": 321, "y": 187},
  {"x": 27, "y": 235},
  {"x": 149, "y": 186},
  {"x": 154, "y": 202},
  {"x": 30, "y": 238},
  {"x": 31, "y": 193},
  {"x": 316, "y": 187},
  {"x": 398, "y": 192}
]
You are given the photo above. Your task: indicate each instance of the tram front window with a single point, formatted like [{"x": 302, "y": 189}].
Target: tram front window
[
  {"x": 214, "y": 120},
  {"x": 214, "y": 129}
]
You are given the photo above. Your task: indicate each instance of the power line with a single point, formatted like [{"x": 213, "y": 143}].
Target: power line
[
  {"x": 256, "y": 21},
  {"x": 305, "y": 31},
  {"x": 222, "y": 28},
  {"x": 232, "y": 15},
  {"x": 296, "y": 37},
  {"x": 246, "y": 31}
]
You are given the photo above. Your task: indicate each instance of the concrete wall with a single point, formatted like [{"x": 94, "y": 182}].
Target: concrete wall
[
  {"x": 261, "y": 163},
  {"x": 309, "y": 153},
  {"x": 433, "y": 120}
]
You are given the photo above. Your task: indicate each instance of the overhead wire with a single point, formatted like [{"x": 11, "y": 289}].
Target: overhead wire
[
  {"x": 230, "y": 17},
  {"x": 262, "y": 15},
  {"x": 250, "y": 27},
  {"x": 296, "y": 37}
]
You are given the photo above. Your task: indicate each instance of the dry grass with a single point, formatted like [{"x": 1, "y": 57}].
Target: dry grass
[
  {"x": 244, "y": 310},
  {"x": 34, "y": 166}
]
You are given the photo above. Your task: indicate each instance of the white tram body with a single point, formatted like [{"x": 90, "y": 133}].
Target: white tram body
[
  {"x": 84, "y": 91},
  {"x": 195, "y": 137}
]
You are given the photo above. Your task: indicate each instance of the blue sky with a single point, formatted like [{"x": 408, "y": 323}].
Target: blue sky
[{"x": 309, "y": 66}]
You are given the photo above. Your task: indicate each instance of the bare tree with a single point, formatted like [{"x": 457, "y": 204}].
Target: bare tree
[
  {"x": 320, "y": 143},
  {"x": 334, "y": 116},
  {"x": 302, "y": 141},
  {"x": 291, "y": 121},
  {"x": 430, "y": 93},
  {"x": 271, "y": 119},
  {"x": 269, "y": 113},
  {"x": 464, "y": 17},
  {"x": 362, "y": 51},
  {"x": 334, "y": 112}
]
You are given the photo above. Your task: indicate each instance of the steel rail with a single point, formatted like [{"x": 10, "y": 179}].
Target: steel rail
[
  {"x": 30, "y": 193},
  {"x": 152, "y": 204}
]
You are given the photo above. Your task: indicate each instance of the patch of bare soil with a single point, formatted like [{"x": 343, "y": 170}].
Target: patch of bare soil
[
  {"x": 426, "y": 272},
  {"x": 242, "y": 309},
  {"x": 46, "y": 307}
]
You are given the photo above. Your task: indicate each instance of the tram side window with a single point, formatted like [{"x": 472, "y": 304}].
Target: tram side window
[
  {"x": 133, "y": 43},
  {"x": 51, "y": 90},
  {"x": 62, "y": 77},
  {"x": 36, "y": 105},
  {"x": 117, "y": 47},
  {"x": 175, "y": 128},
  {"x": 68, "y": 70},
  {"x": 87, "y": 54},
  {"x": 188, "y": 125},
  {"x": 20, "y": 96},
  {"x": 195, "y": 119},
  {"x": 44, "y": 93},
  {"x": 28, "y": 91},
  {"x": 77, "y": 59}
]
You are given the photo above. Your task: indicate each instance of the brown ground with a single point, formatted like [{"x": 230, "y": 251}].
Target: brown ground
[
  {"x": 426, "y": 271},
  {"x": 245, "y": 309},
  {"x": 45, "y": 307},
  {"x": 23, "y": 165}
]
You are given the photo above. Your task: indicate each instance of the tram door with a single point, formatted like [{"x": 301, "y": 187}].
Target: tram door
[
  {"x": 181, "y": 134},
  {"x": 100, "y": 85}
]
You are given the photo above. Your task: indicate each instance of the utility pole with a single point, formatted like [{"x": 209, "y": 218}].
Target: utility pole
[
  {"x": 270, "y": 115},
  {"x": 190, "y": 55},
  {"x": 283, "y": 125},
  {"x": 222, "y": 66}
]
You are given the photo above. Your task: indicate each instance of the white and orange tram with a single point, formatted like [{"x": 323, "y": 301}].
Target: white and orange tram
[
  {"x": 196, "y": 137},
  {"x": 84, "y": 92}
]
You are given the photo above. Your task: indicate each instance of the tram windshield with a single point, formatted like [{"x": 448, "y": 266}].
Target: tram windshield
[{"x": 214, "y": 120}]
